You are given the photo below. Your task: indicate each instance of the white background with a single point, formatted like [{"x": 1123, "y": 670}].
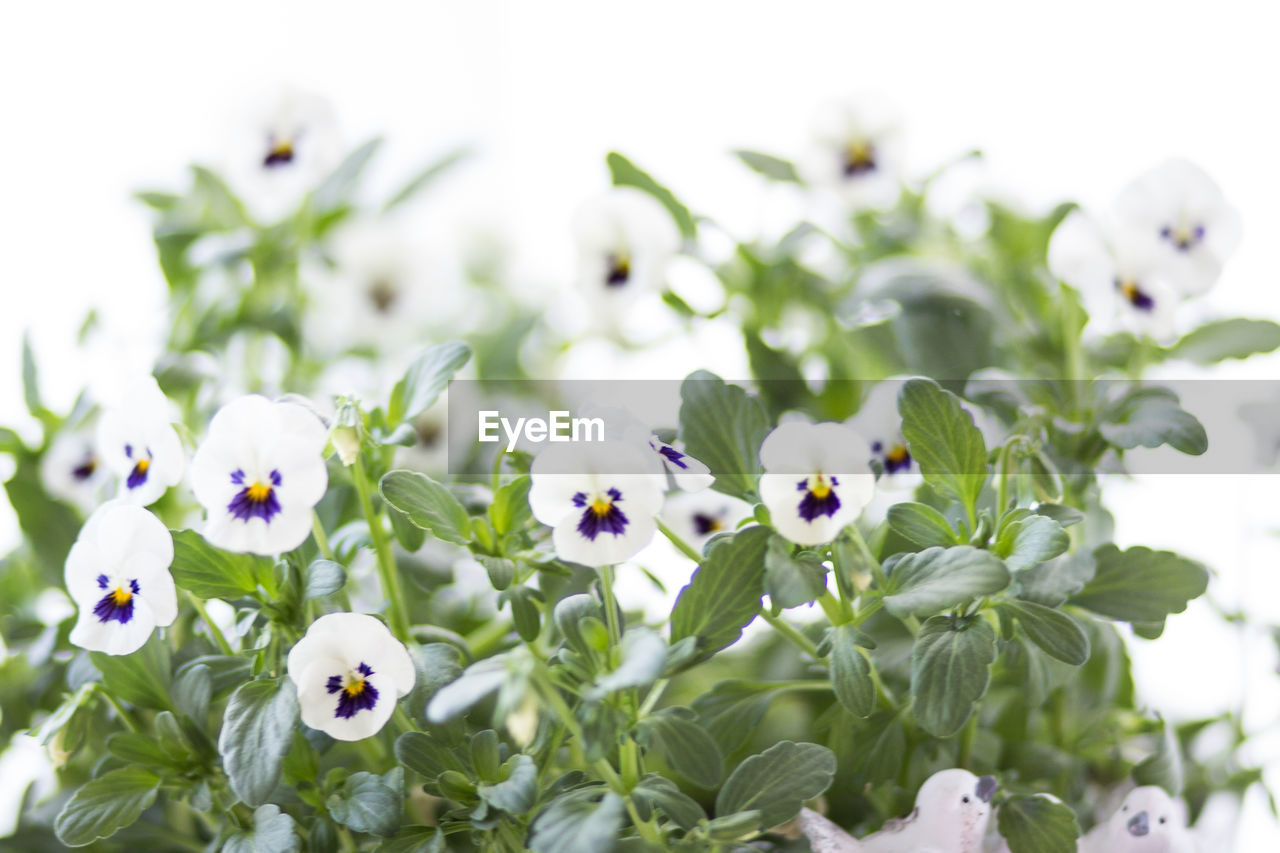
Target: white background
[{"x": 1067, "y": 101}]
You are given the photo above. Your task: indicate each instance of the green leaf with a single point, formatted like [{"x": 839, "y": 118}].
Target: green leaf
[
  {"x": 655, "y": 791},
  {"x": 1058, "y": 634},
  {"x": 427, "y": 176},
  {"x": 684, "y": 744},
  {"x": 627, "y": 174},
  {"x": 921, "y": 524},
  {"x": 724, "y": 594},
  {"x": 324, "y": 577},
  {"x": 415, "y": 839},
  {"x": 209, "y": 572},
  {"x": 732, "y": 709},
  {"x": 510, "y": 510},
  {"x": 936, "y": 579},
  {"x": 1164, "y": 766},
  {"x": 410, "y": 536},
  {"x": 1037, "y": 823},
  {"x": 851, "y": 671},
  {"x": 366, "y": 803},
  {"x": 428, "y": 504},
  {"x": 943, "y": 439},
  {"x": 525, "y": 614},
  {"x": 425, "y": 379},
  {"x": 881, "y": 748},
  {"x": 336, "y": 189},
  {"x": 1029, "y": 541},
  {"x": 777, "y": 782},
  {"x": 574, "y": 823},
  {"x": 192, "y": 690},
  {"x": 501, "y": 571},
  {"x": 30, "y": 380},
  {"x": 1223, "y": 339},
  {"x": 257, "y": 731},
  {"x": 773, "y": 168},
  {"x": 1150, "y": 417},
  {"x": 950, "y": 669},
  {"x": 792, "y": 580},
  {"x": 141, "y": 678},
  {"x": 427, "y": 755},
  {"x": 723, "y": 427},
  {"x": 1140, "y": 585},
  {"x": 518, "y": 792},
  {"x": 105, "y": 805},
  {"x": 273, "y": 832},
  {"x": 644, "y": 653}
]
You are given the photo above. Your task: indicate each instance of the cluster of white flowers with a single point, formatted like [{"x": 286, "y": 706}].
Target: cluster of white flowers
[
  {"x": 258, "y": 474},
  {"x": 1164, "y": 239}
]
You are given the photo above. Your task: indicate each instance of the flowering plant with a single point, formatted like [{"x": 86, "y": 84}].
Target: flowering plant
[{"x": 288, "y": 624}]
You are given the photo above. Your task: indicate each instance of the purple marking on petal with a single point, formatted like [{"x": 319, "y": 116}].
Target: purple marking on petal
[
  {"x": 237, "y": 477},
  {"x": 601, "y": 516},
  {"x": 814, "y": 505},
  {"x": 255, "y": 501},
  {"x": 619, "y": 271},
  {"x": 353, "y": 696},
  {"x": 675, "y": 457},
  {"x": 102, "y": 581},
  {"x": 128, "y": 450},
  {"x": 275, "y": 477},
  {"x": 138, "y": 475},
  {"x": 116, "y": 605},
  {"x": 897, "y": 459}
]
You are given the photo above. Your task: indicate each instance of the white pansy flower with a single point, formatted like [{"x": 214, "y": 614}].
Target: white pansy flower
[
  {"x": 259, "y": 473},
  {"x": 287, "y": 144},
  {"x": 375, "y": 294},
  {"x": 696, "y": 517},
  {"x": 1118, "y": 274},
  {"x": 117, "y": 573},
  {"x": 857, "y": 152},
  {"x": 1183, "y": 213},
  {"x": 623, "y": 424},
  {"x": 690, "y": 474},
  {"x": 816, "y": 480},
  {"x": 599, "y": 498},
  {"x": 624, "y": 240},
  {"x": 350, "y": 672},
  {"x": 880, "y": 424},
  {"x": 137, "y": 443},
  {"x": 72, "y": 471}
]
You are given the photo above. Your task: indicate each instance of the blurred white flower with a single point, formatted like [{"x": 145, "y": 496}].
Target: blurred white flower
[
  {"x": 72, "y": 471},
  {"x": 137, "y": 443},
  {"x": 624, "y": 425},
  {"x": 1118, "y": 274},
  {"x": 879, "y": 423},
  {"x": 350, "y": 672},
  {"x": 599, "y": 498},
  {"x": 817, "y": 480},
  {"x": 117, "y": 573},
  {"x": 281, "y": 150},
  {"x": 690, "y": 474},
  {"x": 429, "y": 452},
  {"x": 857, "y": 151},
  {"x": 1187, "y": 219},
  {"x": 375, "y": 295},
  {"x": 624, "y": 240},
  {"x": 696, "y": 517},
  {"x": 259, "y": 473}
]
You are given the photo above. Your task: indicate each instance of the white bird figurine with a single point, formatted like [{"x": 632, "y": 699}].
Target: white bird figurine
[
  {"x": 951, "y": 814},
  {"x": 1149, "y": 821}
]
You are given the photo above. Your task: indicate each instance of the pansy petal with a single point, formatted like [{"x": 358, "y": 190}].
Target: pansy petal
[{"x": 113, "y": 637}]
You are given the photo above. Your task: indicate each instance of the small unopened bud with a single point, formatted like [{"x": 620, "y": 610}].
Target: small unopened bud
[{"x": 345, "y": 434}]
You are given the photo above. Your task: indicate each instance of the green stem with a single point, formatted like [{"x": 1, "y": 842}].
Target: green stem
[
  {"x": 831, "y": 607},
  {"x": 214, "y": 630},
  {"x": 549, "y": 692},
  {"x": 482, "y": 640},
  {"x": 651, "y": 700},
  {"x": 964, "y": 754},
  {"x": 322, "y": 538},
  {"x": 610, "y": 613},
  {"x": 877, "y": 570},
  {"x": 386, "y": 560},
  {"x": 125, "y": 716},
  {"x": 785, "y": 629},
  {"x": 683, "y": 546}
]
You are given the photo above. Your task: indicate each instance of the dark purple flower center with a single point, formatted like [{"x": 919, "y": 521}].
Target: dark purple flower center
[
  {"x": 819, "y": 496},
  {"x": 117, "y": 604},
  {"x": 256, "y": 499},
  {"x": 600, "y": 514},
  {"x": 279, "y": 153},
  {"x": 1135, "y": 295},
  {"x": 355, "y": 693},
  {"x": 618, "y": 271},
  {"x": 859, "y": 159},
  {"x": 141, "y": 466},
  {"x": 706, "y": 523},
  {"x": 85, "y": 469}
]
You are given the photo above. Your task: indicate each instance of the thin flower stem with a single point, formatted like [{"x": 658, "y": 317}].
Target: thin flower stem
[
  {"x": 683, "y": 546},
  {"x": 483, "y": 639},
  {"x": 651, "y": 700},
  {"x": 402, "y": 721},
  {"x": 322, "y": 538},
  {"x": 125, "y": 716},
  {"x": 877, "y": 570},
  {"x": 386, "y": 560},
  {"x": 964, "y": 754},
  {"x": 785, "y": 629},
  {"x": 549, "y": 692},
  {"x": 214, "y": 630},
  {"x": 831, "y": 607},
  {"x": 610, "y": 614}
]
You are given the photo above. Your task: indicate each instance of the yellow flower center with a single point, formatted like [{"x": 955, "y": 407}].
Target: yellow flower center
[
  {"x": 819, "y": 488},
  {"x": 142, "y": 466},
  {"x": 282, "y": 150},
  {"x": 355, "y": 688},
  {"x": 259, "y": 492},
  {"x": 121, "y": 596},
  {"x": 601, "y": 506},
  {"x": 897, "y": 455},
  {"x": 1130, "y": 290}
]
